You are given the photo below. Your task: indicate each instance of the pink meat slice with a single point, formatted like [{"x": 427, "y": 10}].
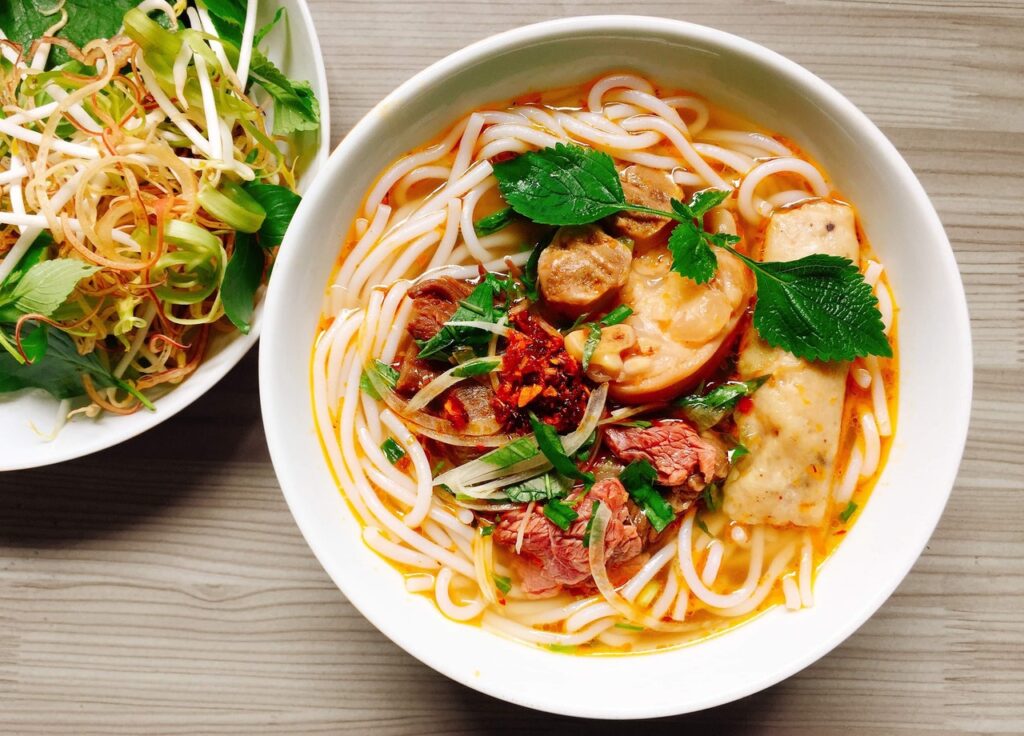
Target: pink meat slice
[
  {"x": 675, "y": 449},
  {"x": 552, "y": 558}
]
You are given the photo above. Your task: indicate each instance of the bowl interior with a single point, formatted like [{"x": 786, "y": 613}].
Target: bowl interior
[
  {"x": 934, "y": 341},
  {"x": 294, "y": 48}
]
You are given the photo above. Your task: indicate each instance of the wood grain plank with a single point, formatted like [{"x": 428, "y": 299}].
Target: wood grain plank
[{"x": 162, "y": 589}]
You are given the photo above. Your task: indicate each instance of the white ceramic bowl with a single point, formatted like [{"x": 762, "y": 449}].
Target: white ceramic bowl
[
  {"x": 294, "y": 47},
  {"x": 934, "y": 392}
]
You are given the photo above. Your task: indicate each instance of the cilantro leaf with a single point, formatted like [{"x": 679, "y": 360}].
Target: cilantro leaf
[
  {"x": 692, "y": 257},
  {"x": 563, "y": 185},
  {"x": 818, "y": 307},
  {"x": 638, "y": 479},
  {"x": 707, "y": 410},
  {"x": 543, "y": 487},
  {"x": 242, "y": 277}
]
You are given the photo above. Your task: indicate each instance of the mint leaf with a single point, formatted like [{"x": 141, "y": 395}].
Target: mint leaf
[
  {"x": 242, "y": 277},
  {"x": 295, "y": 106},
  {"x": 44, "y": 287},
  {"x": 692, "y": 257},
  {"x": 818, "y": 308},
  {"x": 704, "y": 201},
  {"x": 564, "y": 185},
  {"x": 280, "y": 204}
]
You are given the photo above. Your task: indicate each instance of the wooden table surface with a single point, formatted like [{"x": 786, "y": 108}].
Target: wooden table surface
[{"x": 162, "y": 586}]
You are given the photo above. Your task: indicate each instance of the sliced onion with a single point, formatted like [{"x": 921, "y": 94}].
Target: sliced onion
[
  {"x": 620, "y": 415},
  {"x": 449, "y": 378},
  {"x": 598, "y": 569},
  {"x": 422, "y": 419},
  {"x": 459, "y": 440},
  {"x": 497, "y": 329},
  {"x": 464, "y": 478}
]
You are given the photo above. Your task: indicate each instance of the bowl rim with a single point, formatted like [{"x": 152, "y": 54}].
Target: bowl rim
[
  {"x": 795, "y": 74},
  {"x": 116, "y": 432}
]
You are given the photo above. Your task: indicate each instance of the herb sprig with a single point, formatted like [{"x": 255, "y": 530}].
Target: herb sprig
[{"x": 818, "y": 307}]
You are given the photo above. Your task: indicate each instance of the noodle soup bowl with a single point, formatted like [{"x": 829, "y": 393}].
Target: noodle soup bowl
[{"x": 934, "y": 339}]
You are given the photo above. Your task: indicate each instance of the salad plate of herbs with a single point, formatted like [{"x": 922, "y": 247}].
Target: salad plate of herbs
[{"x": 151, "y": 157}]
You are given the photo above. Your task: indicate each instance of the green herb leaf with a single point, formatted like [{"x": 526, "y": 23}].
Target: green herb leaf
[
  {"x": 590, "y": 523},
  {"x": 392, "y": 450},
  {"x": 26, "y": 20},
  {"x": 505, "y": 456},
  {"x": 560, "y": 514},
  {"x": 704, "y": 201},
  {"x": 365, "y": 384},
  {"x": 43, "y": 288},
  {"x": 563, "y": 185},
  {"x": 709, "y": 409},
  {"x": 588, "y": 443},
  {"x": 551, "y": 445},
  {"x": 628, "y": 627},
  {"x": 702, "y": 526},
  {"x": 708, "y": 496},
  {"x": 529, "y": 274},
  {"x": 280, "y": 204},
  {"x": 638, "y": 478},
  {"x": 848, "y": 512},
  {"x": 477, "y": 367},
  {"x": 295, "y": 106},
  {"x": 58, "y": 371},
  {"x": 692, "y": 257},
  {"x": 563, "y": 648},
  {"x": 737, "y": 452},
  {"x": 543, "y": 487},
  {"x": 388, "y": 374},
  {"x": 35, "y": 254},
  {"x": 617, "y": 315},
  {"x": 478, "y": 306},
  {"x": 818, "y": 307},
  {"x": 502, "y": 583},
  {"x": 242, "y": 278},
  {"x": 262, "y": 32},
  {"x": 485, "y": 530},
  {"x": 638, "y": 423},
  {"x": 593, "y": 340},
  {"x": 494, "y": 222}
]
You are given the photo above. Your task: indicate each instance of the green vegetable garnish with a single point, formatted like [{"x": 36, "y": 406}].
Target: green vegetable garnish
[
  {"x": 614, "y": 317},
  {"x": 41, "y": 288},
  {"x": 280, "y": 204},
  {"x": 560, "y": 514},
  {"x": 519, "y": 449},
  {"x": 737, "y": 452},
  {"x": 593, "y": 340},
  {"x": 629, "y": 627},
  {"x": 818, "y": 307},
  {"x": 709, "y": 409},
  {"x": 502, "y": 583},
  {"x": 702, "y": 526},
  {"x": 493, "y": 223},
  {"x": 242, "y": 278},
  {"x": 392, "y": 450},
  {"x": 708, "y": 495},
  {"x": 543, "y": 487},
  {"x": 848, "y": 512},
  {"x": 479, "y": 306},
  {"x": 550, "y": 444},
  {"x": 638, "y": 478},
  {"x": 476, "y": 367},
  {"x": 590, "y": 523},
  {"x": 486, "y": 530}
]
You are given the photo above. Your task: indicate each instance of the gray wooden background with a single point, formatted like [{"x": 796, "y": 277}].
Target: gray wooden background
[{"x": 162, "y": 586}]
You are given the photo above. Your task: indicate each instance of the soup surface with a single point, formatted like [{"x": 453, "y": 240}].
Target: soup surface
[{"x": 606, "y": 368}]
